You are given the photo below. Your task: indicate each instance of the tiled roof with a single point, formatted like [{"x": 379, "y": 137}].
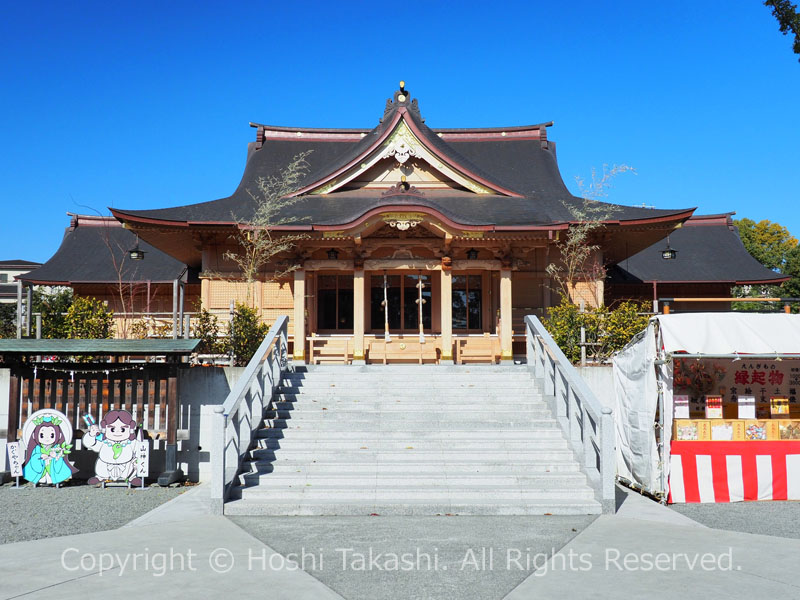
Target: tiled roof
[
  {"x": 95, "y": 250},
  {"x": 709, "y": 250}
]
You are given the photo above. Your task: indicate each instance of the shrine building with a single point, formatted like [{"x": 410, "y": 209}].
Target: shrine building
[
  {"x": 416, "y": 244},
  {"x": 705, "y": 258}
]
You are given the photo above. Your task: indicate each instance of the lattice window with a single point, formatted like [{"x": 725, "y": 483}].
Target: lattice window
[
  {"x": 221, "y": 293},
  {"x": 277, "y": 295}
]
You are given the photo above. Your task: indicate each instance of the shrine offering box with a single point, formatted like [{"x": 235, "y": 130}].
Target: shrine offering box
[
  {"x": 713, "y": 407},
  {"x": 681, "y": 406},
  {"x": 747, "y": 407},
  {"x": 778, "y": 406}
]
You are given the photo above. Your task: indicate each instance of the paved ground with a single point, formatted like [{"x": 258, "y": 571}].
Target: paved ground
[
  {"x": 628, "y": 558},
  {"x": 197, "y": 558},
  {"x": 418, "y": 557},
  {"x": 781, "y": 519},
  {"x": 645, "y": 550},
  {"x": 28, "y": 514}
]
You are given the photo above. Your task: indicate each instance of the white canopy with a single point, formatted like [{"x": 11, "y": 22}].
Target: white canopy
[
  {"x": 730, "y": 333},
  {"x": 637, "y": 376}
]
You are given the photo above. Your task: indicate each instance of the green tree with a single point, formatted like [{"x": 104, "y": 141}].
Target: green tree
[
  {"x": 563, "y": 322},
  {"x": 206, "y": 329},
  {"x": 53, "y": 304},
  {"x": 607, "y": 330},
  {"x": 788, "y": 20},
  {"x": 791, "y": 288},
  {"x": 769, "y": 243},
  {"x": 8, "y": 320},
  {"x": 88, "y": 318},
  {"x": 246, "y": 334},
  {"x": 773, "y": 246}
]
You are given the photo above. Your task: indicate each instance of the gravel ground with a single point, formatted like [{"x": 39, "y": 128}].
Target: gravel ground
[
  {"x": 30, "y": 514},
  {"x": 781, "y": 519},
  {"x": 469, "y": 556}
]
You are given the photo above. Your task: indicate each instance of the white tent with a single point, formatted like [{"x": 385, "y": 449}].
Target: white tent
[{"x": 643, "y": 378}]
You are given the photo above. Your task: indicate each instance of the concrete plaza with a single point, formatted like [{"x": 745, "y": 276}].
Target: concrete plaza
[{"x": 643, "y": 551}]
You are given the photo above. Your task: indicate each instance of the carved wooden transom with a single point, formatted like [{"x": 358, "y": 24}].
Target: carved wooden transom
[{"x": 419, "y": 231}]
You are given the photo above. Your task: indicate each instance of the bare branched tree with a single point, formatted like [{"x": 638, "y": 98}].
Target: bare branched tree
[
  {"x": 127, "y": 291},
  {"x": 578, "y": 247},
  {"x": 257, "y": 242}
]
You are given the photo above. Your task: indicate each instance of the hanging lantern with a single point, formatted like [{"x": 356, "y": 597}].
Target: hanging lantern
[
  {"x": 135, "y": 253},
  {"x": 669, "y": 253}
]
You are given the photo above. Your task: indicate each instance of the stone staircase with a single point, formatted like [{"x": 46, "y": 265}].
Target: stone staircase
[{"x": 411, "y": 440}]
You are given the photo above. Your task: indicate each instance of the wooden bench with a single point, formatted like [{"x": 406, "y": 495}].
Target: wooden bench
[
  {"x": 329, "y": 349},
  {"x": 477, "y": 349}
]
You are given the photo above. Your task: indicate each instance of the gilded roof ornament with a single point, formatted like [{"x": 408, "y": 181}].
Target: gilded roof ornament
[{"x": 402, "y": 98}]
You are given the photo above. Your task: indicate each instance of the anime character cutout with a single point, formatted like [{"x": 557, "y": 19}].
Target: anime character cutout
[
  {"x": 47, "y": 437},
  {"x": 115, "y": 441}
]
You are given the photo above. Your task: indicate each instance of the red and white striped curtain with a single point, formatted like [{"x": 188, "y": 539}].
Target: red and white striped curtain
[{"x": 734, "y": 471}]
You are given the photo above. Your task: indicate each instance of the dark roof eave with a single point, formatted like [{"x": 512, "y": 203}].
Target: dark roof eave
[
  {"x": 681, "y": 215},
  {"x": 533, "y": 127},
  {"x": 44, "y": 282},
  {"x": 682, "y": 281},
  {"x": 123, "y": 216},
  {"x": 93, "y": 281},
  {"x": 757, "y": 281}
]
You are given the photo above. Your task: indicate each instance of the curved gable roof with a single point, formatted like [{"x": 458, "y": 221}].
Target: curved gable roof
[{"x": 517, "y": 164}]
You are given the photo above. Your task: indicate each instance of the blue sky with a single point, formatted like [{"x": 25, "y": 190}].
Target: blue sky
[{"x": 146, "y": 105}]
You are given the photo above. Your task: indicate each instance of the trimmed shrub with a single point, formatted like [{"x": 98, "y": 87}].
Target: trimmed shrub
[
  {"x": 206, "y": 329},
  {"x": 607, "y": 331},
  {"x": 88, "y": 318},
  {"x": 246, "y": 334}
]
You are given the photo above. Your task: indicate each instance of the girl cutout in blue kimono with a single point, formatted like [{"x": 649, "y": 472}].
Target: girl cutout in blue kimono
[{"x": 46, "y": 456}]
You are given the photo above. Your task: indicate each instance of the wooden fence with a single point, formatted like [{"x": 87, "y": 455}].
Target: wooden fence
[{"x": 149, "y": 391}]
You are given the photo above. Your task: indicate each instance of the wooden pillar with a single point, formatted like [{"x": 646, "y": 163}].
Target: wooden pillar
[
  {"x": 358, "y": 317},
  {"x": 506, "y": 353},
  {"x": 28, "y": 309},
  {"x": 181, "y": 307},
  {"x": 175, "y": 309},
  {"x": 172, "y": 473},
  {"x": 447, "y": 314},
  {"x": 172, "y": 407},
  {"x": 13, "y": 408},
  {"x": 19, "y": 309},
  {"x": 299, "y": 354},
  {"x": 205, "y": 294}
]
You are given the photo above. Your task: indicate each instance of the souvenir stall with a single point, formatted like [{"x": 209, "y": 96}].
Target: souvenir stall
[{"x": 706, "y": 407}]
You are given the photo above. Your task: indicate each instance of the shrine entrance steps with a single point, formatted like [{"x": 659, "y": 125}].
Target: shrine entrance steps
[{"x": 411, "y": 440}]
